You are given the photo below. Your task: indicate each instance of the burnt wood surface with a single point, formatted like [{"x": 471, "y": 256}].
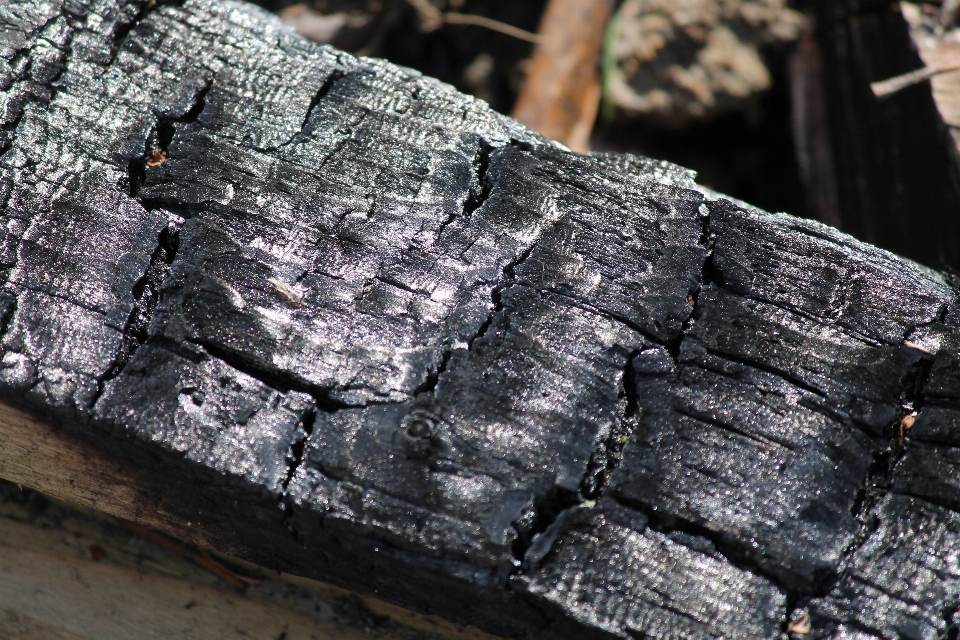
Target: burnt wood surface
[{"x": 332, "y": 317}]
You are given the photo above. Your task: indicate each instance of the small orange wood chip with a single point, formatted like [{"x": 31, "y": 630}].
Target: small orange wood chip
[
  {"x": 156, "y": 158},
  {"x": 800, "y": 625}
]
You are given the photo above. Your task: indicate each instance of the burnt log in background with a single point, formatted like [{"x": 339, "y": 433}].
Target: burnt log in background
[
  {"x": 886, "y": 171},
  {"x": 333, "y": 317}
]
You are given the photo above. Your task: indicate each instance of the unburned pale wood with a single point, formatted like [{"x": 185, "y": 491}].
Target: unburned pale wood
[{"x": 75, "y": 574}]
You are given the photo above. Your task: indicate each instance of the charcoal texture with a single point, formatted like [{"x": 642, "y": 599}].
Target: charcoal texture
[{"x": 377, "y": 334}]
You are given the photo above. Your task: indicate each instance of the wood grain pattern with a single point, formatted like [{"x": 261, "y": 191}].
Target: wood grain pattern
[{"x": 72, "y": 573}]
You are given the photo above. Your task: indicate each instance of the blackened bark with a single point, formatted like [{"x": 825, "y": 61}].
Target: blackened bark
[{"x": 361, "y": 328}]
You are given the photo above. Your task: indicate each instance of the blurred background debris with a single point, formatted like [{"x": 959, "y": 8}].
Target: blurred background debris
[
  {"x": 884, "y": 169},
  {"x": 770, "y": 101},
  {"x": 936, "y": 35},
  {"x": 681, "y": 61}
]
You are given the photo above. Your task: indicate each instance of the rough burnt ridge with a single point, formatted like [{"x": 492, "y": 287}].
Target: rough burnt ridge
[{"x": 376, "y": 334}]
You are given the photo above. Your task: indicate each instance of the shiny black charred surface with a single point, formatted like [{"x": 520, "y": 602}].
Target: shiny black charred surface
[{"x": 376, "y": 334}]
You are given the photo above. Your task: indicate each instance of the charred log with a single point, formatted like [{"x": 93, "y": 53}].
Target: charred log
[{"x": 353, "y": 325}]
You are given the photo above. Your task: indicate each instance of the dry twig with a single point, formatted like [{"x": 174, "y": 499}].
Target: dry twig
[
  {"x": 432, "y": 18},
  {"x": 891, "y": 86}
]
